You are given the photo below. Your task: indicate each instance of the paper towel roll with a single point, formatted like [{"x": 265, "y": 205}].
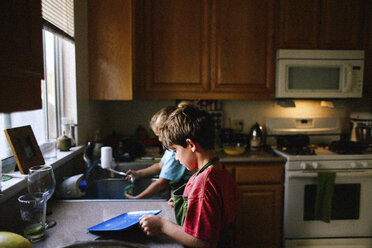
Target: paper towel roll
[{"x": 106, "y": 157}]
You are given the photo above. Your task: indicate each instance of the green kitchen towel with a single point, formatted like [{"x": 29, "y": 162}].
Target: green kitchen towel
[{"x": 324, "y": 193}]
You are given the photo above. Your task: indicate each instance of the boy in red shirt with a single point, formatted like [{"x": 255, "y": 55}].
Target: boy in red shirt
[{"x": 208, "y": 206}]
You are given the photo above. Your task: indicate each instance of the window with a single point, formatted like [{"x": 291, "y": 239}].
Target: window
[
  {"x": 58, "y": 94},
  {"x": 59, "y": 91}
]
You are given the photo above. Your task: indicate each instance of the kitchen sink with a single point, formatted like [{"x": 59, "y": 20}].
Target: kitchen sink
[
  {"x": 104, "y": 184},
  {"x": 115, "y": 188}
]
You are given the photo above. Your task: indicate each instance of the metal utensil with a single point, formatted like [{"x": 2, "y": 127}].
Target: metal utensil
[{"x": 132, "y": 178}]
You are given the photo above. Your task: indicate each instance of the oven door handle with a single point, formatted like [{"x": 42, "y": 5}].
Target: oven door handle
[{"x": 314, "y": 174}]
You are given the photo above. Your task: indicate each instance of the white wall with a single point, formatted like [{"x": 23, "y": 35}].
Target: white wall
[{"x": 88, "y": 112}]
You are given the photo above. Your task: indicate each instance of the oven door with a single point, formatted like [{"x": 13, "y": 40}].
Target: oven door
[
  {"x": 329, "y": 243},
  {"x": 351, "y": 214}
]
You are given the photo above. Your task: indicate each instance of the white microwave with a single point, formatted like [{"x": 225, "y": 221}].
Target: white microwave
[{"x": 319, "y": 74}]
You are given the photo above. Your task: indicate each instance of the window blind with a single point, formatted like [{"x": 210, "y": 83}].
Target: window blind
[{"x": 59, "y": 13}]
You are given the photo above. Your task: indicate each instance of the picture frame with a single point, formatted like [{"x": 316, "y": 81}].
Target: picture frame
[{"x": 24, "y": 146}]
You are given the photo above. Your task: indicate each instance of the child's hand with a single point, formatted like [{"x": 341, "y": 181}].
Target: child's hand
[
  {"x": 131, "y": 173},
  {"x": 128, "y": 196},
  {"x": 171, "y": 202},
  {"x": 151, "y": 224}
]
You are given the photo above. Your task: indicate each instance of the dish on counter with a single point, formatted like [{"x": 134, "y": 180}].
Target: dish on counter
[
  {"x": 122, "y": 222},
  {"x": 234, "y": 148}
]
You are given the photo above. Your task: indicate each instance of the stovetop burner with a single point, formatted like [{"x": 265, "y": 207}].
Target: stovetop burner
[
  {"x": 295, "y": 144},
  {"x": 300, "y": 145},
  {"x": 296, "y": 150},
  {"x": 346, "y": 147}
]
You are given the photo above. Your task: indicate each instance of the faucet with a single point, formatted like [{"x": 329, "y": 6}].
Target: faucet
[{"x": 88, "y": 157}]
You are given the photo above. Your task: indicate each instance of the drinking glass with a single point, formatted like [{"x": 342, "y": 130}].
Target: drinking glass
[
  {"x": 32, "y": 210},
  {"x": 41, "y": 179}
]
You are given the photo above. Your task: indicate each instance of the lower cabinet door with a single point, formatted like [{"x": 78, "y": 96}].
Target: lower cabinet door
[{"x": 259, "y": 217}]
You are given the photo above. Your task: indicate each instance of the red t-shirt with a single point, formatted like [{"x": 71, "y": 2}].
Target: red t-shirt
[{"x": 211, "y": 204}]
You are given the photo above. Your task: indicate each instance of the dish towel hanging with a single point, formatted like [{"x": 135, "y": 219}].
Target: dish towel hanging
[{"x": 324, "y": 194}]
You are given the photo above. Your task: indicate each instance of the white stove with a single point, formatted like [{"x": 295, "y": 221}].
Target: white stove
[
  {"x": 325, "y": 159},
  {"x": 350, "y": 219}
]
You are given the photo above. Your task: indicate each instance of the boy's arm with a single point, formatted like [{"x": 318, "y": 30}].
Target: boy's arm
[
  {"x": 153, "y": 225},
  {"x": 152, "y": 189}
]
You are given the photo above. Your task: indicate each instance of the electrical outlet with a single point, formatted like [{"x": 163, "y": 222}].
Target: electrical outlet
[{"x": 238, "y": 125}]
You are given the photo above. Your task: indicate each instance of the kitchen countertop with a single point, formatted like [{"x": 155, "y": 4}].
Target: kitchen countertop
[
  {"x": 250, "y": 156},
  {"x": 74, "y": 217},
  {"x": 247, "y": 157}
]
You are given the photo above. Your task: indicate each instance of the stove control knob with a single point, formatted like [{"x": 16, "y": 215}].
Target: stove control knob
[
  {"x": 315, "y": 165},
  {"x": 353, "y": 165},
  {"x": 364, "y": 164},
  {"x": 304, "y": 166}
]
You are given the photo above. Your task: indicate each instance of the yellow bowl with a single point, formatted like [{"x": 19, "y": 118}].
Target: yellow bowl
[{"x": 234, "y": 149}]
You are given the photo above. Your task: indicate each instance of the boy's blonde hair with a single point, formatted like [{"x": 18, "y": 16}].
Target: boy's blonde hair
[
  {"x": 158, "y": 119},
  {"x": 184, "y": 103}
]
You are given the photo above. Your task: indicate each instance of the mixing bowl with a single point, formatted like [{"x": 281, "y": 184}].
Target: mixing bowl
[{"x": 234, "y": 148}]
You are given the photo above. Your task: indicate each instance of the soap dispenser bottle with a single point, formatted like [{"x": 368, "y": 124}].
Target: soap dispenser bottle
[{"x": 256, "y": 137}]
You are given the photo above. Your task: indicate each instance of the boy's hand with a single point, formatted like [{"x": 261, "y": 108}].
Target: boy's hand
[
  {"x": 128, "y": 196},
  {"x": 133, "y": 173},
  {"x": 171, "y": 202},
  {"x": 151, "y": 224}
]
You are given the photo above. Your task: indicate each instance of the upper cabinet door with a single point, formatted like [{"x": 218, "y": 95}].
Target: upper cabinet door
[
  {"x": 21, "y": 55},
  {"x": 342, "y": 24},
  {"x": 176, "y": 45},
  {"x": 299, "y": 22},
  {"x": 110, "y": 42},
  {"x": 324, "y": 24},
  {"x": 21, "y": 38},
  {"x": 242, "y": 65}
]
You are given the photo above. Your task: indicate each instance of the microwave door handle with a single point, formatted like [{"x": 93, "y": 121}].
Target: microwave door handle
[
  {"x": 348, "y": 75},
  {"x": 347, "y": 173}
]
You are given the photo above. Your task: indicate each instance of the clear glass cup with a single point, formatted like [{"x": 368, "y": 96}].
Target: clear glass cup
[
  {"x": 49, "y": 149},
  {"x": 32, "y": 208},
  {"x": 41, "y": 179}
]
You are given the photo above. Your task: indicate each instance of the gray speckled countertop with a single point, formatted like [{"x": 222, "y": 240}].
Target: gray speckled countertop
[
  {"x": 74, "y": 217},
  {"x": 250, "y": 156}
]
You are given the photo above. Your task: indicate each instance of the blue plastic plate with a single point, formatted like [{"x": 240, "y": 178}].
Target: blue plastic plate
[{"x": 122, "y": 222}]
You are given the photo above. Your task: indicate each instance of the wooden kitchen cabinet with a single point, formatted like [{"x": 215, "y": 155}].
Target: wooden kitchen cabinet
[
  {"x": 207, "y": 49},
  {"x": 176, "y": 48},
  {"x": 321, "y": 24},
  {"x": 146, "y": 49},
  {"x": 21, "y": 55},
  {"x": 242, "y": 55},
  {"x": 342, "y": 23},
  {"x": 260, "y": 213},
  {"x": 298, "y": 24},
  {"x": 367, "y": 84},
  {"x": 110, "y": 45}
]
